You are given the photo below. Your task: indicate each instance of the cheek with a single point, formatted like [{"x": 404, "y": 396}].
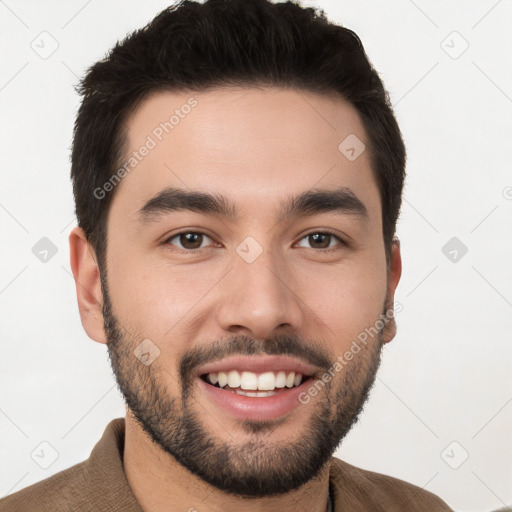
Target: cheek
[
  {"x": 348, "y": 301},
  {"x": 155, "y": 296}
]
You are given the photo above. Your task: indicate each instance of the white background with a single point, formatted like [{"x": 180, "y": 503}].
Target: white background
[{"x": 445, "y": 377}]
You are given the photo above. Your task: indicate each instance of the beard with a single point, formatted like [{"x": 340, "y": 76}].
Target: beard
[{"x": 258, "y": 467}]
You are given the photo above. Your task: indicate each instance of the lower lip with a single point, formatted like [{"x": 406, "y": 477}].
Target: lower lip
[{"x": 255, "y": 408}]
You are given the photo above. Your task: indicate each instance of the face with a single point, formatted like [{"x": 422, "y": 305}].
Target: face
[{"x": 245, "y": 257}]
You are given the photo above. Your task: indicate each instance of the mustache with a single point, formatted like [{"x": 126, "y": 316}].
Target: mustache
[{"x": 310, "y": 352}]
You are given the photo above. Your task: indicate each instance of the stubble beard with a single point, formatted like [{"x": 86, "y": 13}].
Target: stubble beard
[{"x": 257, "y": 467}]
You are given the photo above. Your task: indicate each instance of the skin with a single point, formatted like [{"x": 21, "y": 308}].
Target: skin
[{"x": 257, "y": 147}]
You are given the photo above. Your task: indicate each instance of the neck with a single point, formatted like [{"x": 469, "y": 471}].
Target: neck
[{"x": 160, "y": 484}]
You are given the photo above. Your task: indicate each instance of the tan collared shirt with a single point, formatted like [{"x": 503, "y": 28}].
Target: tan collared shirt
[{"x": 99, "y": 484}]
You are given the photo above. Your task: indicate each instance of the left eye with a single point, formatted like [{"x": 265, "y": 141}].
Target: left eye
[
  {"x": 190, "y": 240},
  {"x": 322, "y": 239}
]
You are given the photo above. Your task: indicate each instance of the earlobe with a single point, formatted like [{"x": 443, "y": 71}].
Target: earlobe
[
  {"x": 394, "y": 273},
  {"x": 88, "y": 284}
]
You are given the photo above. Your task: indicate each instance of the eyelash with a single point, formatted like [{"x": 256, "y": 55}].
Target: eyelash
[{"x": 323, "y": 232}]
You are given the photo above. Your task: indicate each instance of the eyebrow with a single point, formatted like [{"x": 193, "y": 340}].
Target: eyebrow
[{"x": 340, "y": 200}]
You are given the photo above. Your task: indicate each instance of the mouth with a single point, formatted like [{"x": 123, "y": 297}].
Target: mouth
[
  {"x": 255, "y": 388},
  {"x": 252, "y": 384}
]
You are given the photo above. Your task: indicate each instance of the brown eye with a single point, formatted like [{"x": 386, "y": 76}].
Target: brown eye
[
  {"x": 319, "y": 240},
  {"x": 322, "y": 240},
  {"x": 190, "y": 240}
]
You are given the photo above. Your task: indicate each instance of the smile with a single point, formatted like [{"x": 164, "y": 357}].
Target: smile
[{"x": 256, "y": 385}]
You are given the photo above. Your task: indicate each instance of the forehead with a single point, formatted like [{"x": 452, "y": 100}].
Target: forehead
[{"x": 253, "y": 144}]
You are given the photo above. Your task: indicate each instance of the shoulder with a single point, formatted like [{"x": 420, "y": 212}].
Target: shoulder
[
  {"x": 356, "y": 487},
  {"x": 53, "y": 493},
  {"x": 98, "y": 483}
]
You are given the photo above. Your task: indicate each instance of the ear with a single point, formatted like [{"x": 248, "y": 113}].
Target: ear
[
  {"x": 394, "y": 271},
  {"x": 88, "y": 285}
]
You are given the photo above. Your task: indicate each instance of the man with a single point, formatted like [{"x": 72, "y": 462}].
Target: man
[{"x": 237, "y": 174}]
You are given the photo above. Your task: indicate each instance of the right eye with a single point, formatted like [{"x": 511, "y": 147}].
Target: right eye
[{"x": 189, "y": 241}]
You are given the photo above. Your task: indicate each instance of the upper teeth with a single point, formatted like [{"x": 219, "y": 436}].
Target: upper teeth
[{"x": 248, "y": 380}]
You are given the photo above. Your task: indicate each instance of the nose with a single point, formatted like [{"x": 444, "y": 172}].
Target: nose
[{"x": 258, "y": 299}]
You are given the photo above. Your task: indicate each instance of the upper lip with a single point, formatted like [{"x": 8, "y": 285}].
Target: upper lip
[{"x": 258, "y": 364}]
